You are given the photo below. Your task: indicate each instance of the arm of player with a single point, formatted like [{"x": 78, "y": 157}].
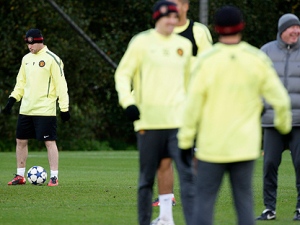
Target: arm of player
[
  {"x": 124, "y": 75},
  {"x": 18, "y": 91},
  {"x": 57, "y": 69}
]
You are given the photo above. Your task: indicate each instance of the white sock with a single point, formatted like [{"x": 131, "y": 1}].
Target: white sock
[
  {"x": 54, "y": 173},
  {"x": 21, "y": 171},
  {"x": 165, "y": 207}
]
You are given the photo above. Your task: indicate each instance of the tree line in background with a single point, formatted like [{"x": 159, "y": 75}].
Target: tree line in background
[{"x": 97, "y": 121}]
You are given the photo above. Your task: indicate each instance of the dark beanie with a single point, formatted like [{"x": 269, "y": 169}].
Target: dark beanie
[
  {"x": 34, "y": 36},
  {"x": 163, "y": 8},
  {"x": 229, "y": 20},
  {"x": 286, "y": 21}
]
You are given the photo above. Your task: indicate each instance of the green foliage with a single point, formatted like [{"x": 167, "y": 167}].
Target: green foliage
[
  {"x": 101, "y": 188},
  {"x": 95, "y": 112}
]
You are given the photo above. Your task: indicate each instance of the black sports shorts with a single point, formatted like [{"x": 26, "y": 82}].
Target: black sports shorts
[{"x": 42, "y": 128}]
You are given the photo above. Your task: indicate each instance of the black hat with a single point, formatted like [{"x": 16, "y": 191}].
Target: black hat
[
  {"x": 34, "y": 36},
  {"x": 229, "y": 20},
  {"x": 163, "y": 8}
]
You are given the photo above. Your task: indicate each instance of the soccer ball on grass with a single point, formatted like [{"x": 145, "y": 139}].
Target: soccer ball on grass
[{"x": 37, "y": 175}]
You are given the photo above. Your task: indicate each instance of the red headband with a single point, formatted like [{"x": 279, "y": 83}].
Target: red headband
[
  {"x": 230, "y": 29},
  {"x": 32, "y": 40},
  {"x": 164, "y": 10}
]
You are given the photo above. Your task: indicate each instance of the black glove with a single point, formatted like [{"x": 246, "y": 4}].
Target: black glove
[
  {"x": 7, "y": 110},
  {"x": 132, "y": 113},
  {"x": 186, "y": 156},
  {"x": 288, "y": 137},
  {"x": 65, "y": 116}
]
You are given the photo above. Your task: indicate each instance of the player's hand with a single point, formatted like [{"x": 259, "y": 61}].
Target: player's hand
[
  {"x": 132, "y": 113},
  {"x": 65, "y": 116},
  {"x": 288, "y": 136},
  {"x": 186, "y": 156},
  {"x": 7, "y": 110}
]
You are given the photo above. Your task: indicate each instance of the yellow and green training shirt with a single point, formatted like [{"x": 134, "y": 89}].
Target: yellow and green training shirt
[
  {"x": 40, "y": 82},
  {"x": 224, "y": 103},
  {"x": 157, "y": 68},
  {"x": 201, "y": 34}
]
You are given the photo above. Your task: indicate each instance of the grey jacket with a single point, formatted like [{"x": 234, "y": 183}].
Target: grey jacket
[{"x": 286, "y": 60}]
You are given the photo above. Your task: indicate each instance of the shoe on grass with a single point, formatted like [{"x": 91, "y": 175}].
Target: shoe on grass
[
  {"x": 17, "y": 180},
  {"x": 267, "y": 214},
  {"x": 156, "y": 202},
  {"x": 53, "y": 181},
  {"x": 297, "y": 215}
]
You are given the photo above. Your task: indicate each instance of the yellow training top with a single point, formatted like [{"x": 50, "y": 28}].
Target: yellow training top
[
  {"x": 224, "y": 103},
  {"x": 40, "y": 82},
  {"x": 159, "y": 68},
  {"x": 201, "y": 36}
]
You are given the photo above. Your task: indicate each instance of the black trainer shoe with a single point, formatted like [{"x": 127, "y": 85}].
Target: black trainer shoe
[
  {"x": 297, "y": 215},
  {"x": 268, "y": 214}
]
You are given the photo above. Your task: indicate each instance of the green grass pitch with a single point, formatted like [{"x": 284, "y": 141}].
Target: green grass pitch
[{"x": 101, "y": 188}]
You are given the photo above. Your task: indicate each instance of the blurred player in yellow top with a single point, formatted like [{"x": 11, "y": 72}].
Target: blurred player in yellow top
[
  {"x": 156, "y": 65},
  {"x": 196, "y": 32},
  {"x": 223, "y": 111},
  {"x": 40, "y": 83},
  {"x": 201, "y": 40}
]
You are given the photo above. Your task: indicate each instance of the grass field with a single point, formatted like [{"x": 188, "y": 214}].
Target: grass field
[{"x": 100, "y": 188}]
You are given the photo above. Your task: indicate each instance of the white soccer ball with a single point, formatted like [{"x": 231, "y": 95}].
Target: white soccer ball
[{"x": 37, "y": 175}]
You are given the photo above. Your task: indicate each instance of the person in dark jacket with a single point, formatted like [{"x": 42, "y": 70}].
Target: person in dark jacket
[{"x": 285, "y": 54}]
